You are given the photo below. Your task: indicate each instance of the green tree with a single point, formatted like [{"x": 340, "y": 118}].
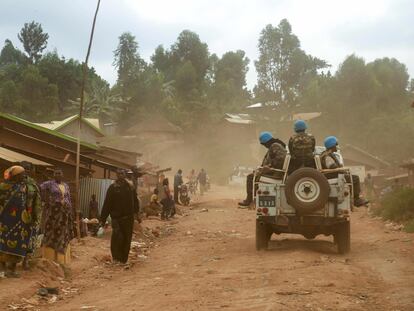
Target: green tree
[
  {"x": 39, "y": 97},
  {"x": 67, "y": 75},
  {"x": 126, "y": 58},
  {"x": 229, "y": 91},
  {"x": 8, "y": 97},
  {"x": 34, "y": 40},
  {"x": 10, "y": 55},
  {"x": 392, "y": 79},
  {"x": 282, "y": 64},
  {"x": 161, "y": 61},
  {"x": 189, "y": 48}
]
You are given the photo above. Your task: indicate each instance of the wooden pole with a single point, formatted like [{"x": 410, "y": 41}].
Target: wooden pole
[{"x": 82, "y": 100}]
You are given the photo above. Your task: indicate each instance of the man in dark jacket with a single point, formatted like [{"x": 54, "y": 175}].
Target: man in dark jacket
[
  {"x": 178, "y": 181},
  {"x": 274, "y": 158},
  {"x": 202, "y": 181},
  {"x": 121, "y": 203}
]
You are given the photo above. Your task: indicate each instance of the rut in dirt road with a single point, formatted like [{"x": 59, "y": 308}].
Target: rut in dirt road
[{"x": 210, "y": 262}]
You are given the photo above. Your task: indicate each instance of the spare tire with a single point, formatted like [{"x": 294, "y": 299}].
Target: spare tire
[{"x": 307, "y": 190}]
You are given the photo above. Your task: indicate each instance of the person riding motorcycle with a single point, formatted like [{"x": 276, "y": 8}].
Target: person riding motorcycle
[
  {"x": 274, "y": 158},
  {"x": 330, "y": 160},
  {"x": 301, "y": 147}
]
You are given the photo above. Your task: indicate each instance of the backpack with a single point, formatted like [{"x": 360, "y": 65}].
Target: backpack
[
  {"x": 302, "y": 146},
  {"x": 275, "y": 156}
]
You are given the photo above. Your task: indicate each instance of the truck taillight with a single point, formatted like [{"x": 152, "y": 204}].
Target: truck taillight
[
  {"x": 265, "y": 192},
  {"x": 259, "y": 192},
  {"x": 265, "y": 210},
  {"x": 259, "y": 210}
]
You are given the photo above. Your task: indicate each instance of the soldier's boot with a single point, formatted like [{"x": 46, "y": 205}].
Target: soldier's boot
[
  {"x": 247, "y": 202},
  {"x": 358, "y": 202}
]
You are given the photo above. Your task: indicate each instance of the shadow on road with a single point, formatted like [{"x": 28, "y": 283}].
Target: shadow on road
[{"x": 320, "y": 246}]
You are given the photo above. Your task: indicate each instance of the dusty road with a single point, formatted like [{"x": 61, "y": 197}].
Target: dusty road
[{"x": 209, "y": 262}]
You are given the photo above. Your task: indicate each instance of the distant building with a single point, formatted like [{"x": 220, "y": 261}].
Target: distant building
[
  {"x": 153, "y": 136},
  {"x": 59, "y": 149},
  {"x": 157, "y": 128},
  {"x": 91, "y": 131}
]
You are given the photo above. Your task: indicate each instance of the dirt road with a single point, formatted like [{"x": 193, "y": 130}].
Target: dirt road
[{"x": 209, "y": 262}]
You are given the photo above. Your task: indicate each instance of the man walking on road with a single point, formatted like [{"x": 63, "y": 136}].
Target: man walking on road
[
  {"x": 202, "y": 180},
  {"x": 178, "y": 181},
  {"x": 121, "y": 203}
]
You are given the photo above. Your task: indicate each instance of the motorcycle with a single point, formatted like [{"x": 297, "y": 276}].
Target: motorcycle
[{"x": 184, "y": 195}]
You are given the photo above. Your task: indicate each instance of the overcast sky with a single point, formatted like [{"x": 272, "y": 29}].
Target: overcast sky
[{"x": 328, "y": 29}]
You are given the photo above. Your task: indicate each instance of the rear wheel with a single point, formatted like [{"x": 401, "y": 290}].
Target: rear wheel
[
  {"x": 263, "y": 234},
  {"x": 342, "y": 237},
  {"x": 307, "y": 190}
]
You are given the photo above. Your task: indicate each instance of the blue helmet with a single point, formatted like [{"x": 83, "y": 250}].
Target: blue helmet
[
  {"x": 264, "y": 137},
  {"x": 300, "y": 126},
  {"x": 330, "y": 142}
]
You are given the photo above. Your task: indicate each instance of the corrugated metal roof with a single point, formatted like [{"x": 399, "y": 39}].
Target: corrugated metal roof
[
  {"x": 239, "y": 121},
  {"x": 15, "y": 157},
  {"x": 45, "y": 130},
  {"x": 268, "y": 104},
  {"x": 56, "y": 125},
  {"x": 241, "y": 118},
  {"x": 306, "y": 116}
]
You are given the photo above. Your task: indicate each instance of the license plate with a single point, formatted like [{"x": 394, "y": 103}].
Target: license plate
[{"x": 267, "y": 201}]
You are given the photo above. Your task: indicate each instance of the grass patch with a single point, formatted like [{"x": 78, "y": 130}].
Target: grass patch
[
  {"x": 398, "y": 206},
  {"x": 409, "y": 226}
]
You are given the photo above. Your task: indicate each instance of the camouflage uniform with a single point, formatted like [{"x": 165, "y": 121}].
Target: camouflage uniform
[
  {"x": 301, "y": 148},
  {"x": 275, "y": 156}
]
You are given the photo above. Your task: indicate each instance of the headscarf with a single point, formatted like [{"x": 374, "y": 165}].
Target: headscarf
[{"x": 13, "y": 171}]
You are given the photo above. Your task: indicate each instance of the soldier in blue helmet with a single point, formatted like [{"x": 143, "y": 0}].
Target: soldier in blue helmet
[
  {"x": 330, "y": 160},
  {"x": 301, "y": 147},
  {"x": 274, "y": 158}
]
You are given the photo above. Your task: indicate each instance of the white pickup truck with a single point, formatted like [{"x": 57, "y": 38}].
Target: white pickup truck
[{"x": 309, "y": 202}]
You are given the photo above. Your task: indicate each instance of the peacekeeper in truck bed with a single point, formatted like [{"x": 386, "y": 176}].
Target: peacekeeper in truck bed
[
  {"x": 274, "y": 158},
  {"x": 330, "y": 160}
]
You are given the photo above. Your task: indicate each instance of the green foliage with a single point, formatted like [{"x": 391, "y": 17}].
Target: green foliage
[
  {"x": 228, "y": 90},
  {"x": 126, "y": 59},
  {"x": 39, "y": 97},
  {"x": 190, "y": 49},
  {"x": 282, "y": 64},
  {"x": 10, "y": 55},
  {"x": 34, "y": 40},
  {"x": 409, "y": 226},
  {"x": 398, "y": 206},
  {"x": 40, "y": 87},
  {"x": 365, "y": 104},
  {"x": 67, "y": 75}
]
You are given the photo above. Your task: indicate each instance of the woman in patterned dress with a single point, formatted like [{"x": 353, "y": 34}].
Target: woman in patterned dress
[
  {"x": 58, "y": 219},
  {"x": 17, "y": 218}
]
